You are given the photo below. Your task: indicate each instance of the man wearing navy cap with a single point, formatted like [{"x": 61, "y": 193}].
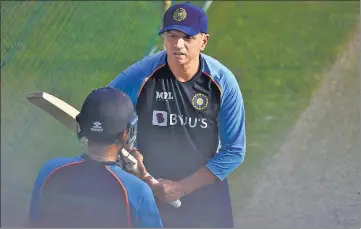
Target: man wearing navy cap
[
  {"x": 191, "y": 130},
  {"x": 92, "y": 190}
]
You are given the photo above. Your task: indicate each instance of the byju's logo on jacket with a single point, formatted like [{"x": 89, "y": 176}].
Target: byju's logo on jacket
[{"x": 162, "y": 118}]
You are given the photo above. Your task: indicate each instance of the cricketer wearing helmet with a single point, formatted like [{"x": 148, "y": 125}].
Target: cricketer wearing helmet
[
  {"x": 92, "y": 190},
  {"x": 191, "y": 129}
]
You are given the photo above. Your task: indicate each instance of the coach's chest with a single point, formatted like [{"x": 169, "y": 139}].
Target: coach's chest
[{"x": 164, "y": 101}]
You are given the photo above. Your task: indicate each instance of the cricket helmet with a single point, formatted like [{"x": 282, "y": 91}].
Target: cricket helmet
[{"x": 105, "y": 114}]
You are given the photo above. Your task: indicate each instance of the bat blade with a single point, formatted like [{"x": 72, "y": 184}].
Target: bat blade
[
  {"x": 65, "y": 114},
  {"x": 60, "y": 110}
]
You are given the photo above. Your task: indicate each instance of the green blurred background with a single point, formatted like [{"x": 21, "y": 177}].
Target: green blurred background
[{"x": 277, "y": 50}]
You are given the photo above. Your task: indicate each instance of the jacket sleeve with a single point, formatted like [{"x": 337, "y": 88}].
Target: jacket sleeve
[
  {"x": 35, "y": 197},
  {"x": 128, "y": 82},
  {"x": 148, "y": 215},
  {"x": 232, "y": 132},
  {"x": 131, "y": 79},
  {"x": 44, "y": 172}
]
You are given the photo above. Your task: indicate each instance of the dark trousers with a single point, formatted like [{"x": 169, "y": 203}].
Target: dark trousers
[{"x": 208, "y": 207}]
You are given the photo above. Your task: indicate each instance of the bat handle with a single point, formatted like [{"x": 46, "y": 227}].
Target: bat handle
[{"x": 176, "y": 203}]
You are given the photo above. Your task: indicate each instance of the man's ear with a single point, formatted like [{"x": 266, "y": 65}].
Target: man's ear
[
  {"x": 124, "y": 135},
  {"x": 205, "y": 39},
  {"x": 120, "y": 142},
  {"x": 163, "y": 36}
]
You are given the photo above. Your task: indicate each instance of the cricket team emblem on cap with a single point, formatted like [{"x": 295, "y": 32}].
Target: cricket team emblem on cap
[
  {"x": 200, "y": 101},
  {"x": 180, "y": 14}
]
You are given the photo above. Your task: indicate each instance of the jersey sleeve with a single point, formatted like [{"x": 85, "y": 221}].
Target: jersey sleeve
[
  {"x": 148, "y": 215},
  {"x": 45, "y": 171},
  {"x": 132, "y": 78},
  {"x": 128, "y": 82},
  {"x": 232, "y": 132},
  {"x": 35, "y": 196},
  {"x": 144, "y": 210}
]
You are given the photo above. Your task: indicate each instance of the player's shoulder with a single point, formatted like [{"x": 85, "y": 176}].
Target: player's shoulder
[
  {"x": 144, "y": 67},
  {"x": 132, "y": 183},
  {"x": 153, "y": 61},
  {"x": 216, "y": 70},
  {"x": 133, "y": 77},
  {"x": 56, "y": 163}
]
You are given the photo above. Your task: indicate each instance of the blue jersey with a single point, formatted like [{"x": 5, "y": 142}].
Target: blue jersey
[
  {"x": 186, "y": 125},
  {"x": 80, "y": 192}
]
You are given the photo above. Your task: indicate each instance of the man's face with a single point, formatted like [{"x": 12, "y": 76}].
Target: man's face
[{"x": 183, "y": 49}]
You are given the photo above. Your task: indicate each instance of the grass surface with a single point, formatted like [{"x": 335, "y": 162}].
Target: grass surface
[{"x": 276, "y": 50}]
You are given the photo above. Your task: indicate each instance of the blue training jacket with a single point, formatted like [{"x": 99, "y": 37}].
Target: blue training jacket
[{"x": 232, "y": 148}]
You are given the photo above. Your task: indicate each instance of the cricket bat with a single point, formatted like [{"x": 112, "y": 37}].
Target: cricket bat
[{"x": 66, "y": 114}]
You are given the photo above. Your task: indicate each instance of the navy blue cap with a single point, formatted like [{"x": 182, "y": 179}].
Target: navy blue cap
[
  {"x": 185, "y": 17},
  {"x": 106, "y": 112}
]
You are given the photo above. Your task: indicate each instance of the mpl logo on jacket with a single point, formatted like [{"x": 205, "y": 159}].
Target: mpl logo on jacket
[
  {"x": 163, "y": 95},
  {"x": 97, "y": 127}
]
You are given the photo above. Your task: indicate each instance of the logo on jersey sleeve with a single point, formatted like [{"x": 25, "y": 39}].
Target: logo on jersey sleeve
[
  {"x": 200, "y": 101},
  {"x": 160, "y": 118}
]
